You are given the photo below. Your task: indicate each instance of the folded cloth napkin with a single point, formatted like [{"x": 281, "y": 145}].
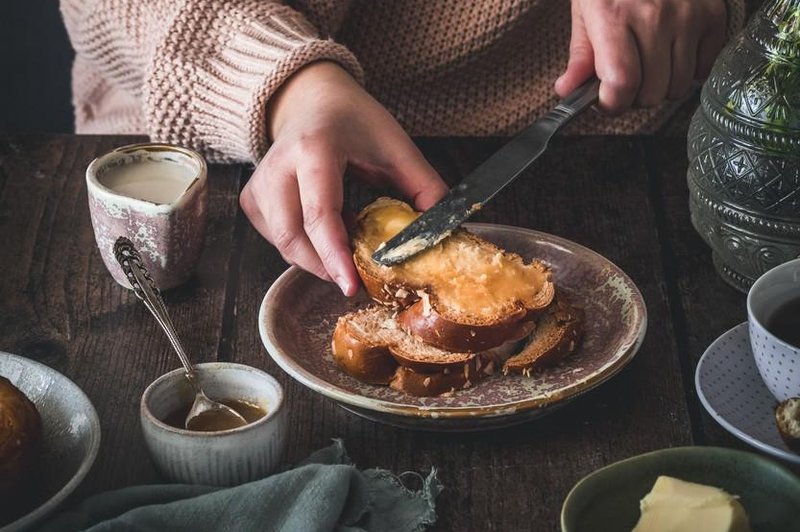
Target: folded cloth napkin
[{"x": 325, "y": 492}]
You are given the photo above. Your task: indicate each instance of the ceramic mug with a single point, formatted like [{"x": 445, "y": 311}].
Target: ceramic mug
[
  {"x": 157, "y": 196},
  {"x": 222, "y": 458},
  {"x": 778, "y": 362}
]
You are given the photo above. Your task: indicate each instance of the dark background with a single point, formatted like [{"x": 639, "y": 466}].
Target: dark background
[{"x": 35, "y": 61}]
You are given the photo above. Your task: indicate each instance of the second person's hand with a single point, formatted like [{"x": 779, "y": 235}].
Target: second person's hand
[
  {"x": 321, "y": 123},
  {"x": 643, "y": 51}
]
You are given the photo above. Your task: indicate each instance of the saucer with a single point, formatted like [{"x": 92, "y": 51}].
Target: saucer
[{"x": 731, "y": 389}]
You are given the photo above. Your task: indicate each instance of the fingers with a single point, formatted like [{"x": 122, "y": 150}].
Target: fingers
[
  {"x": 415, "y": 178},
  {"x": 581, "y": 58},
  {"x": 271, "y": 201},
  {"x": 684, "y": 65},
  {"x": 319, "y": 177},
  {"x": 655, "y": 53},
  {"x": 617, "y": 63},
  {"x": 644, "y": 51}
]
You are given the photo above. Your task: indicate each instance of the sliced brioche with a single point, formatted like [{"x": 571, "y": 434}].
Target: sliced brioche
[
  {"x": 363, "y": 340},
  {"x": 558, "y": 331},
  {"x": 466, "y": 293},
  {"x": 787, "y": 417},
  {"x": 359, "y": 347},
  {"x": 446, "y": 381}
]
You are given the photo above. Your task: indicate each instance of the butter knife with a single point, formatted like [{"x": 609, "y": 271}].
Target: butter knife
[{"x": 484, "y": 182}]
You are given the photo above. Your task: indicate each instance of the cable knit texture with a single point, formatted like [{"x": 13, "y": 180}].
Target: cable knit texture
[{"x": 199, "y": 73}]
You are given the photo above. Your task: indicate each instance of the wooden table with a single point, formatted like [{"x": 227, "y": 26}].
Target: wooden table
[{"x": 624, "y": 197}]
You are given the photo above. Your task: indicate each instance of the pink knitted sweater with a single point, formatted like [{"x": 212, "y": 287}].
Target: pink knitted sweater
[{"x": 200, "y": 72}]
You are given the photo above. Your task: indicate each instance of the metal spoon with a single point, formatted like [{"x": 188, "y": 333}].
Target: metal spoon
[{"x": 203, "y": 408}]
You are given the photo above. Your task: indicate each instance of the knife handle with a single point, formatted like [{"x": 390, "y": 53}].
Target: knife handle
[{"x": 576, "y": 101}]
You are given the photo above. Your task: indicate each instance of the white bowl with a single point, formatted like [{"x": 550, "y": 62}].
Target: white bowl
[
  {"x": 70, "y": 439},
  {"x": 222, "y": 458},
  {"x": 778, "y": 362}
]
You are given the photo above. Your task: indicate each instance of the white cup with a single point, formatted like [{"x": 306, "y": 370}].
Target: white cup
[
  {"x": 778, "y": 362},
  {"x": 156, "y": 195}
]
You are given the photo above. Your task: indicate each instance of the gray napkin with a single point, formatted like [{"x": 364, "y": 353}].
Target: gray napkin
[{"x": 326, "y": 492}]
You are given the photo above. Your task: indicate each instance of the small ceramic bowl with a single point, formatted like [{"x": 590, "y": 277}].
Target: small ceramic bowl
[
  {"x": 222, "y": 458},
  {"x": 608, "y": 499},
  {"x": 778, "y": 362}
]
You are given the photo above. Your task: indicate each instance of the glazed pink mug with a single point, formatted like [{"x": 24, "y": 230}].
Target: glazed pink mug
[{"x": 157, "y": 196}]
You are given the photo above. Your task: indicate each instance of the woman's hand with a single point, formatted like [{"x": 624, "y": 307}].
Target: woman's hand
[
  {"x": 643, "y": 51},
  {"x": 323, "y": 122}
]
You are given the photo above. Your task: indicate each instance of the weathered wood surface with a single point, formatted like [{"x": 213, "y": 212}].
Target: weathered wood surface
[{"x": 623, "y": 197}]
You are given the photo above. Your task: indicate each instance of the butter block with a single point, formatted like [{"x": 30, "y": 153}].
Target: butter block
[{"x": 675, "y": 505}]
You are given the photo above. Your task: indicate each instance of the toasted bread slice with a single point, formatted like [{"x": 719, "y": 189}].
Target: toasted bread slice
[
  {"x": 446, "y": 381},
  {"x": 370, "y": 331},
  {"x": 787, "y": 417},
  {"x": 360, "y": 347},
  {"x": 465, "y": 294},
  {"x": 558, "y": 331},
  {"x": 369, "y": 345}
]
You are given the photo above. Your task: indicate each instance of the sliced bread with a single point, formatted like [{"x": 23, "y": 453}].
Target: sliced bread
[
  {"x": 558, "y": 331},
  {"x": 465, "y": 294}
]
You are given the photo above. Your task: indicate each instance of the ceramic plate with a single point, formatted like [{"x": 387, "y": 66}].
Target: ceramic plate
[
  {"x": 731, "y": 389},
  {"x": 608, "y": 499},
  {"x": 71, "y": 437},
  {"x": 299, "y": 313}
]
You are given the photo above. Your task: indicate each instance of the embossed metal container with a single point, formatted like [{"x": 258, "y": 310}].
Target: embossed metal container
[{"x": 744, "y": 148}]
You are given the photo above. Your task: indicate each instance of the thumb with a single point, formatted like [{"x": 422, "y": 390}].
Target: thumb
[
  {"x": 416, "y": 179},
  {"x": 581, "y": 57}
]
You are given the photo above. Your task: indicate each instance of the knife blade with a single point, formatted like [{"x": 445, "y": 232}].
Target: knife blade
[{"x": 466, "y": 198}]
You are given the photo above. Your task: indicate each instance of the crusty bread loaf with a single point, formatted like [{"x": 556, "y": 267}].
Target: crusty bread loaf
[
  {"x": 787, "y": 417},
  {"x": 465, "y": 294},
  {"x": 558, "y": 332}
]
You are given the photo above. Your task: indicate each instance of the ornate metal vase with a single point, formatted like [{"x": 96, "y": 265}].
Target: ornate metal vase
[{"x": 744, "y": 148}]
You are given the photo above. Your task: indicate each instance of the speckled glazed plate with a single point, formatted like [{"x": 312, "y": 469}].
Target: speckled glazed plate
[
  {"x": 70, "y": 440},
  {"x": 731, "y": 389},
  {"x": 299, "y": 313}
]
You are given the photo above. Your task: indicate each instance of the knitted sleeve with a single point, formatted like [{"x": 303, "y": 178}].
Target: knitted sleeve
[{"x": 202, "y": 69}]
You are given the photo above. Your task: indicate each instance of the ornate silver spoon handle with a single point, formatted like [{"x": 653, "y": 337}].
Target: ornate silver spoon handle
[{"x": 145, "y": 289}]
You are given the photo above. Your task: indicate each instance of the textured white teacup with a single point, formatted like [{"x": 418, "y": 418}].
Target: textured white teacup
[
  {"x": 778, "y": 362},
  {"x": 157, "y": 196},
  {"x": 223, "y": 458}
]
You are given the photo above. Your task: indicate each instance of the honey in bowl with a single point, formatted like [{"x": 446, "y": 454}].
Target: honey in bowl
[{"x": 213, "y": 421}]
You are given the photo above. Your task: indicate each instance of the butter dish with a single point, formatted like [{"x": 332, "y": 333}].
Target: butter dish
[{"x": 609, "y": 498}]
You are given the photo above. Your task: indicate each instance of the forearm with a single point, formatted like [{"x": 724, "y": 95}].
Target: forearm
[{"x": 203, "y": 70}]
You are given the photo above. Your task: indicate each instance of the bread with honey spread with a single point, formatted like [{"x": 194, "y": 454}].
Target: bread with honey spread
[
  {"x": 452, "y": 315},
  {"x": 464, "y": 294}
]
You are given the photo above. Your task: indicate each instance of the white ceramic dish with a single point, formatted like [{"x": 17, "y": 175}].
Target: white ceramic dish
[
  {"x": 71, "y": 436},
  {"x": 222, "y": 458},
  {"x": 731, "y": 389},
  {"x": 299, "y": 313},
  {"x": 777, "y": 361}
]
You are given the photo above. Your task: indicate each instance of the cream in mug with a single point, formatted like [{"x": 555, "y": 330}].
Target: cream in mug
[
  {"x": 157, "y": 196},
  {"x": 157, "y": 181}
]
